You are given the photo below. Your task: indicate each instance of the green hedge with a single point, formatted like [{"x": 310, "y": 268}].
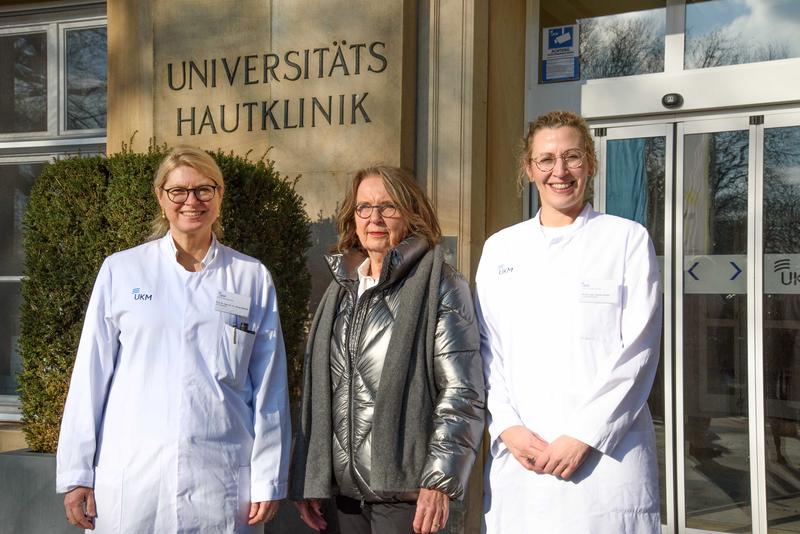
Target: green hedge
[{"x": 82, "y": 209}]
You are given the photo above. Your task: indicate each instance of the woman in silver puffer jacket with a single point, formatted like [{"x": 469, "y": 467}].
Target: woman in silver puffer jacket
[{"x": 393, "y": 398}]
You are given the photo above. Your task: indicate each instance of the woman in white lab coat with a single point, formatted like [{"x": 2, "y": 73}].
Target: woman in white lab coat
[
  {"x": 177, "y": 415},
  {"x": 569, "y": 310}
]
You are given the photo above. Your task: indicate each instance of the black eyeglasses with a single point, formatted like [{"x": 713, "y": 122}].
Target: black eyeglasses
[
  {"x": 203, "y": 193},
  {"x": 573, "y": 159},
  {"x": 386, "y": 210}
]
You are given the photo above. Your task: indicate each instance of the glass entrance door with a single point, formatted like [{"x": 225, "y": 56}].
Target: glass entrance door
[
  {"x": 721, "y": 200},
  {"x": 713, "y": 314},
  {"x": 635, "y": 163},
  {"x": 778, "y": 308}
]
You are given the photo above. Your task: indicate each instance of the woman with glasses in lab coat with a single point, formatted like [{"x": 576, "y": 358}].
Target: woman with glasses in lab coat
[
  {"x": 177, "y": 416},
  {"x": 569, "y": 311}
]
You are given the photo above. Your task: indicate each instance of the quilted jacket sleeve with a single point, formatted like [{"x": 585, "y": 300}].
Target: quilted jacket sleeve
[{"x": 460, "y": 405}]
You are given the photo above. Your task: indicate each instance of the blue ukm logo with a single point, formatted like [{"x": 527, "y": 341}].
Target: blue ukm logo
[{"x": 138, "y": 295}]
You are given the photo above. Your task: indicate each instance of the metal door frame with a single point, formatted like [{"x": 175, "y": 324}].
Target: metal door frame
[{"x": 640, "y": 131}]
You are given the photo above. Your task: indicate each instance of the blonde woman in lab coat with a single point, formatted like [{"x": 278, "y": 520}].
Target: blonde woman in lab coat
[
  {"x": 569, "y": 311},
  {"x": 177, "y": 416}
]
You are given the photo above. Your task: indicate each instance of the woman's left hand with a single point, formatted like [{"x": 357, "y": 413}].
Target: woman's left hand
[
  {"x": 262, "y": 511},
  {"x": 562, "y": 457},
  {"x": 433, "y": 507}
]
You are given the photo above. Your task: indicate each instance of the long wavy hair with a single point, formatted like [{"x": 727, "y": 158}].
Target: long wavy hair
[
  {"x": 407, "y": 195},
  {"x": 185, "y": 156}
]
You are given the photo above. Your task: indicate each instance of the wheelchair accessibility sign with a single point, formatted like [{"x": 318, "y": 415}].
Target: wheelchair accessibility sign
[{"x": 560, "y": 53}]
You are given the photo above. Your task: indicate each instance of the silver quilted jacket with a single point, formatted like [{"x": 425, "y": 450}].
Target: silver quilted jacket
[{"x": 361, "y": 333}]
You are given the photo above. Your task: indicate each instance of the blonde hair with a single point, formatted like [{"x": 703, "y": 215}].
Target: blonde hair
[
  {"x": 185, "y": 156},
  {"x": 408, "y": 196},
  {"x": 557, "y": 119}
]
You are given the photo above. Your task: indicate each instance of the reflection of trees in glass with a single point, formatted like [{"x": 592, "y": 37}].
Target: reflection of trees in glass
[
  {"x": 86, "y": 78},
  {"x": 727, "y": 177},
  {"x": 622, "y": 45},
  {"x": 654, "y": 158},
  {"x": 23, "y": 83},
  {"x": 781, "y": 190},
  {"x": 16, "y": 181},
  {"x": 723, "y": 47}
]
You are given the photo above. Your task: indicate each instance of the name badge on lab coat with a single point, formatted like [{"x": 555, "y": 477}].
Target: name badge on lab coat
[
  {"x": 598, "y": 292},
  {"x": 229, "y": 302}
]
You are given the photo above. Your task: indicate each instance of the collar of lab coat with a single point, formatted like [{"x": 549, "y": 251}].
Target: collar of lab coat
[
  {"x": 168, "y": 245},
  {"x": 566, "y": 235}
]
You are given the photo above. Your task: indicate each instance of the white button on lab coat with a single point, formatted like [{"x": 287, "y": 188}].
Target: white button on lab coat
[
  {"x": 570, "y": 328},
  {"x": 176, "y": 425}
]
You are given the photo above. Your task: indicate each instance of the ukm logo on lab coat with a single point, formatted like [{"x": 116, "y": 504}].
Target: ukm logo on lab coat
[{"x": 138, "y": 294}]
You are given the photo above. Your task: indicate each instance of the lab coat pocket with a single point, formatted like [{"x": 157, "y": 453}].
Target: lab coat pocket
[
  {"x": 599, "y": 321},
  {"x": 235, "y": 348}
]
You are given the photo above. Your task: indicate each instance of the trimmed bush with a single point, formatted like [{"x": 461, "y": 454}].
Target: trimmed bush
[{"x": 83, "y": 209}]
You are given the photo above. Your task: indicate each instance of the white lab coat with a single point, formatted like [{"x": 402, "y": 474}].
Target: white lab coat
[
  {"x": 570, "y": 328},
  {"x": 177, "y": 427}
]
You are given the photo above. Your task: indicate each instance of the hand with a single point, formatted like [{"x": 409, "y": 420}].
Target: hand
[
  {"x": 80, "y": 507},
  {"x": 433, "y": 508},
  {"x": 311, "y": 514},
  {"x": 262, "y": 511},
  {"x": 524, "y": 445},
  {"x": 563, "y": 457}
]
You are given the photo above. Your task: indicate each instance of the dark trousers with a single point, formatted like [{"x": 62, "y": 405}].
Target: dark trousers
[{"x": 374, "y": 518}]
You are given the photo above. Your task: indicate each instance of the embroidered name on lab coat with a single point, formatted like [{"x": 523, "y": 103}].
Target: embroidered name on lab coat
[{"x": 504, "y": 269}]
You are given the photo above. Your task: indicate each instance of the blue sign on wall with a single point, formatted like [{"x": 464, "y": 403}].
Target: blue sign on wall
[
  {"x": 560, "y": 53},
  {"x": 562, "y": 37}
]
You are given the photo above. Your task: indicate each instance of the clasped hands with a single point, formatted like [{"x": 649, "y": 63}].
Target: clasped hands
[{"x": 560, "y": 458}]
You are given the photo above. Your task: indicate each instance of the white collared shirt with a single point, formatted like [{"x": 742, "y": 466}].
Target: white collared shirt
[
  {"x": 211, "y": 253},
  {"x": 365, "y": 281}
]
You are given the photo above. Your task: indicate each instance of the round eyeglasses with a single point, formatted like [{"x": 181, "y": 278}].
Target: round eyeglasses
[
  {"x": 572, "y": 159},
  {"x": 386, "y": 210},
  {"x": 203, "y": 193}
]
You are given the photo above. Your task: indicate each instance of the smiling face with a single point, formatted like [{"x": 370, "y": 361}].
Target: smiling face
[
  {"x": 561, "y": 190},
  {"x": 192, "y": 217},
  {"x": 377, "y": 233}
]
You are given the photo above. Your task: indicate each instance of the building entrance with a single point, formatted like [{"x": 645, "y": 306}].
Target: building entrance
[{"x": 720, "y": 197}]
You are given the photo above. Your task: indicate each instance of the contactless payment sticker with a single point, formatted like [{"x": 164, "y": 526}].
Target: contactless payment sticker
[
  {"x": 229, "y": 302},
  {"x": 599, "y": 292}
]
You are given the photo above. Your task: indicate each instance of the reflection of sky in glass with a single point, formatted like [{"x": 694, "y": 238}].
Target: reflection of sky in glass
[
  {"x": 623, "y": 44},
  {"x": 732, "y": 32}
]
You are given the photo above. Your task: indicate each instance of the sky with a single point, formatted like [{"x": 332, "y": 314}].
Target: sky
[{"x": 758, "y": 21}]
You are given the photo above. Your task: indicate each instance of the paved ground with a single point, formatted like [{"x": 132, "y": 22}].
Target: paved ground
[{"x": 718, "y": 478}]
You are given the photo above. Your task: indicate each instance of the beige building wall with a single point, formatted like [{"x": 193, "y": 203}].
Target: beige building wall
[
  {"x": 435, "y": 86},
  {"x": 505, "y": 113}
]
